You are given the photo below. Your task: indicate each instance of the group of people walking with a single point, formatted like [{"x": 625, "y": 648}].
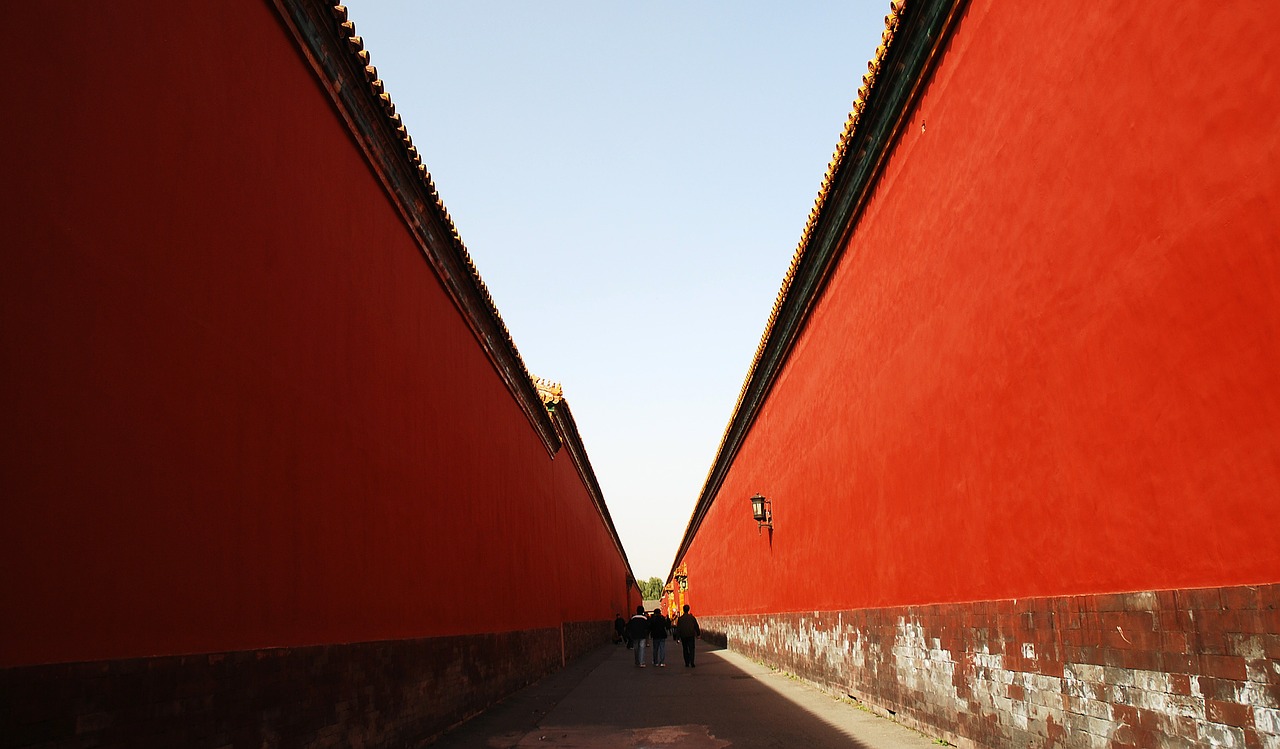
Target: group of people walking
[{"x": 656, "y": 627}]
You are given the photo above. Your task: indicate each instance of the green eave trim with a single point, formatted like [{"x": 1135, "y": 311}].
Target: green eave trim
[
  {"x": 923, "y": 30},
  {"x": 339, "y": 63}
]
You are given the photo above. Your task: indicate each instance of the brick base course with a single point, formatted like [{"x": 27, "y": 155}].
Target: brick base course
[
  {"x": 582, "y": 637},
  {"x": 399, "y": 693},
  {"x": 1171, "y": 668}
]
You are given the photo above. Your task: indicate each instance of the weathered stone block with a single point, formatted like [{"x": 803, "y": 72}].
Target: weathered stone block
[{"x": 1177, "y": 676}]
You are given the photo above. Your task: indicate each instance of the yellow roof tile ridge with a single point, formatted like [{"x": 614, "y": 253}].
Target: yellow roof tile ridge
[
  {"x": 347, "y": 30},
  {"x": 837, "y": 158},
  {"x": 549, "y": 391}
]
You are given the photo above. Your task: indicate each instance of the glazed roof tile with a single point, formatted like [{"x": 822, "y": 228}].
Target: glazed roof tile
[
  {"x": 869, "y": 124},
  {"x": 346, "y": 29},
  {"x": 550, "y": 393},
  {"x": 837, "y": 158}
]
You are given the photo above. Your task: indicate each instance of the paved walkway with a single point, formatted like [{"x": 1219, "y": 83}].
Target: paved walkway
[{"x": 603, "y": 701}]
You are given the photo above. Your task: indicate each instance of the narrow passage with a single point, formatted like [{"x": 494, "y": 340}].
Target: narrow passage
[{"x": 603, "y": 701}]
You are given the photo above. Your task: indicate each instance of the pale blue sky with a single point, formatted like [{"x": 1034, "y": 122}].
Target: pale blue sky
[{"x": 632, "y": 179}]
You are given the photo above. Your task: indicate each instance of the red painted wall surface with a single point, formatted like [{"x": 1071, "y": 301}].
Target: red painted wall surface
[
  {"x": 1049, "y": 360},
  {"x": 240, "y": 410}
]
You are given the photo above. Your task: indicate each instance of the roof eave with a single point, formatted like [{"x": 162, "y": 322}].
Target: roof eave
[
  {"x": 915, "y": 34},
  {"x": 327, "y": 39}
]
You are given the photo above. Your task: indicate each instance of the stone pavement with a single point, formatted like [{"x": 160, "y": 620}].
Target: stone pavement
[{"x": 602, "y": 701}]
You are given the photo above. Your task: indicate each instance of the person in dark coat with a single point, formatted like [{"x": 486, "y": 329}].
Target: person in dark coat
[
  {"x": 638, "y": 633},
  {"x": 620, "y": 630},
  {"x": 687, "y": 631},
  {"x": 658, "y": 626}
]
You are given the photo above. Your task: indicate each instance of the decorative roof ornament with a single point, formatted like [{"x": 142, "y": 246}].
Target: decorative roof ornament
[{"x": 550, "y": 392}]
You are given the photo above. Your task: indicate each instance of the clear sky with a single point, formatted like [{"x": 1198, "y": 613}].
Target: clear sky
[{"x": 631, "y": 179}]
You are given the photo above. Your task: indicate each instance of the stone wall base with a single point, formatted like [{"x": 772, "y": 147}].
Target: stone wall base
[
  {"x": 583, "y": 637},
  {"x": 1169, "y": 668},
  {"x": 398, "y": 693}
]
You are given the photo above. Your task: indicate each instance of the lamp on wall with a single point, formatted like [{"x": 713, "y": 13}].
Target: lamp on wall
[{"x": 760, "y": 510}]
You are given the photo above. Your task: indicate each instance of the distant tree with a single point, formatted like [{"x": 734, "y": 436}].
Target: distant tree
[{"x": 651, "y": 589}]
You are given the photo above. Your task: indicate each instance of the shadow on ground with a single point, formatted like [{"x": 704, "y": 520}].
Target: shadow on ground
[{"x": 604, "y": 700}]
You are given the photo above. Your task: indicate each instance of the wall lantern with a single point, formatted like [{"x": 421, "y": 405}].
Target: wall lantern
[{"x": 760, "y": 510}]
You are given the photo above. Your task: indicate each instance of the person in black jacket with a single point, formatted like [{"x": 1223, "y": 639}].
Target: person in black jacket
[
  {"x": 638, "y": 632},
  {"x": 620, "y": 630},
  {"x": 658, "y": 626},
  {"x": 687, "y": 631}
]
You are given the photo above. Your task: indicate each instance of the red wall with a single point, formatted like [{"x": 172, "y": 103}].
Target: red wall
[
  {"x": 1049, "y": 361},
  {"x": 240, "y": 409}
]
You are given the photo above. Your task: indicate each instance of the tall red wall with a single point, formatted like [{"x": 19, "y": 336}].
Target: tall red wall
[
  {"x": 1048, "y": 361},
  {"x": 241, "y": 411}
]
